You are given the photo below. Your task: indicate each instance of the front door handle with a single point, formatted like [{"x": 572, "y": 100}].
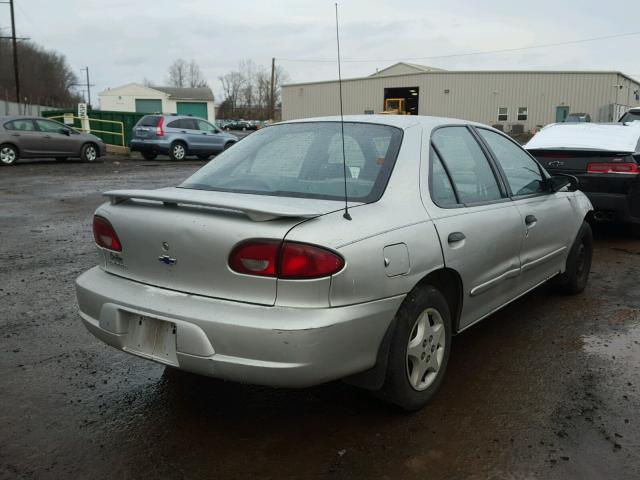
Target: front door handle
[
  {"x": 530, "y": 220},
  {"x": 456, "y": 237},
  {"x": 15, "y": 134}
]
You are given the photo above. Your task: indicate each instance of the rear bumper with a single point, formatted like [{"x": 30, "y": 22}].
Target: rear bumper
[
  {"x": 276, "y": 346},
  {"x": 614, "y": 194},
  {"x": 151, "y": 146}
]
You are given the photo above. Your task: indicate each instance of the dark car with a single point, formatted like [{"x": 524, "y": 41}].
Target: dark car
[
  {"x": 178, "y": 136},
  {"x": 604, "y": 157},
  {"x": 240, "y": 125},
  {"x": 37, "y": 137},
  {"x": 578, "y": 118}
]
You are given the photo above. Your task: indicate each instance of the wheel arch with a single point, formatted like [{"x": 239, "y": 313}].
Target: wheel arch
[
  {"x": 449, "y": 283},
  {"x": 11, "y": 144}
]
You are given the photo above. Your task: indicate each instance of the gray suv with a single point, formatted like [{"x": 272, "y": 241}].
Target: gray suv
[{"x": 178, "y": 136}]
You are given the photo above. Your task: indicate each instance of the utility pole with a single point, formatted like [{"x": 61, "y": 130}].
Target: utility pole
[
  {"x": 272, "y": 102},
  {"x": 88, "y": 86},
  {"x": 15, "y": 52}
]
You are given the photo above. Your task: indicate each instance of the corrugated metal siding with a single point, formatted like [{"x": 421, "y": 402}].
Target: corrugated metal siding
[{"x": 472, "y": 95}]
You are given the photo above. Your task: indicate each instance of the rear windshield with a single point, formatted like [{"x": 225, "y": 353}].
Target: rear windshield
[
  {"x": 149, "y": 121},
  {"x": 630, "y": 117},
  {"x": 305, "y": 160}
]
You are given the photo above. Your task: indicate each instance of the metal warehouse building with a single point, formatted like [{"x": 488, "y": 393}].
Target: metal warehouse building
[{"x": 516, "y": 100}]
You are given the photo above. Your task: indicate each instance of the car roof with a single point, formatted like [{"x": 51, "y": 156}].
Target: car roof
[
  {"x": 6, "y": 118},
  {"x": 611, "y": 137},
  {"x": 400, "y": 121}
]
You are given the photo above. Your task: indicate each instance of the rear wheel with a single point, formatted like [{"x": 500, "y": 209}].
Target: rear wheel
[
  {"x": 149, "y": 155},
  {"x": 89, "y": 153},
  {"x": 576, "y": 274},
  {"x": 419, "y": 349},
  {"x": 8, "y": 154},
  {"x": 178, "y": 151}
]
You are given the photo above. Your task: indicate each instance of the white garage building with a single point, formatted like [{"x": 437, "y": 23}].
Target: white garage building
[
  {"x": 135, "y": 97},
  {"x": 515, "y": 100}
]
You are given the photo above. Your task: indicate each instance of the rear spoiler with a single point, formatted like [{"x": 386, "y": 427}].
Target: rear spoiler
[{"x": 259, "y": 208}]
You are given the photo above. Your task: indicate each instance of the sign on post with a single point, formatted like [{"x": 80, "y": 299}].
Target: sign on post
[{"x": 84, "y": 120}]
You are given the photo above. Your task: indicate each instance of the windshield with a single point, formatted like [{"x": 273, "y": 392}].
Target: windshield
[
  {"x": 630, "y": 117},
  {"x": 305, "y": 160}
]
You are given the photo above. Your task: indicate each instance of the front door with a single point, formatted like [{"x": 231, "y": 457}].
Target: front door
[
  {"x": 480, "y": 229},
  {"x": 561, "y": 114},
  {"x": 52, "y": 140},
  {"x": 210, "y": 137},
  {"x": 547, "y": 217}
]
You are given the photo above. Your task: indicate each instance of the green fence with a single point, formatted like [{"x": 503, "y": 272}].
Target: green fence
[{"x": 127, "y": 119}]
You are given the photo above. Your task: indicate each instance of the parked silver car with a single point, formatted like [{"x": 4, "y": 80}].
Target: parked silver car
[
  {"x": 37, "y": 137},
  {"x": 252, "y": 271},
  {"x": 178, "y": 136}
]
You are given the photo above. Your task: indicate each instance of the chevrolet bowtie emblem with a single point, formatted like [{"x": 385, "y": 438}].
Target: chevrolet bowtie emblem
[{"x": 167, "y": 260}]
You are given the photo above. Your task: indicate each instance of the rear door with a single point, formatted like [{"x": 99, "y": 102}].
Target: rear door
[
  {"x": 548, "y": 218},
  {"x": 53, "y": 141},
  {"x": 23, "y": 133},
  {"x": 480, "y": 229}
]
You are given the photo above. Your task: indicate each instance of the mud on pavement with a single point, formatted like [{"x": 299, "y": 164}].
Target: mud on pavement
[{"x": 547, "y": 388}]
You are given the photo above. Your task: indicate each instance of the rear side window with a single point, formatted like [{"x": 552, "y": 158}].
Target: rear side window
[
  {"x": 305, "y": 160},
  {"x": 20, "y": 125},
  {"x": 442, "y": 191},
  {"x": 149, "y": 121},
  {"x": 522, "y": 172},
  {"x": 469, "y": 168}
]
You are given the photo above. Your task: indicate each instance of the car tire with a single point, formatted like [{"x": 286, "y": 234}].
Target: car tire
[
  {"x": 576, "y": 274},
  {"x": 61, "y": 159},
  {"x": 89, "y": 153},
  {"x": 8, "y": 154},
  {"x": 204, "y": 157},
  {"x": 149, "y": 155},
  {"x": 177, "y": 151},
  {"x": 228, "y": 145},
  {"x": 419, "y": 349}
]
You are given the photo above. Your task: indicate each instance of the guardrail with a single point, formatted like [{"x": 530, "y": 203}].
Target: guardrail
[{"x": 93, "y": 130}]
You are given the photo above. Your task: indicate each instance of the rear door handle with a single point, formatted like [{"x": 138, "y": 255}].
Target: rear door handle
[
  {"x": 183, "y": 131},
  {"x": 530, "y": 220},
  {"x": 456, "y": 237},
  {"x": 15, "y": 134}
]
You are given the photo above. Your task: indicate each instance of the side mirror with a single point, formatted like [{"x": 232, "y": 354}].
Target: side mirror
[
  {"x": 65, "y": 131},
  {"x": 558, "y": 181}
]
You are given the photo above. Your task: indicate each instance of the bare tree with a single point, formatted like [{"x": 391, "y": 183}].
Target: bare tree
[
  {"x": 178, "y": 72},
  {"x": 232, "y": 84},
  {"x": 186, "y": 74},
  {"x": 147, "y": 83}
]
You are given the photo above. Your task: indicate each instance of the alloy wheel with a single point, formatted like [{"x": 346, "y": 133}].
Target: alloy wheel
[
  {"x": 7, "y": 155},
  {"x": 90, "y": 153},
  {"x": 425, "y": 349},
  {"x": 178, "y": 152}
]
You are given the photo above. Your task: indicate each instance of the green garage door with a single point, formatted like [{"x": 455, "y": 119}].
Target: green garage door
[
  {"x": 148, "y": 106},
  {"x": 195, "y": 109}
]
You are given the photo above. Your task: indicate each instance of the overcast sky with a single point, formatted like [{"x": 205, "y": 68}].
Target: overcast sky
[{"x": 125, "y": 41}]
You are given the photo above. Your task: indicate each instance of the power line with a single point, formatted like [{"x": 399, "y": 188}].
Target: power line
[{"x": 468, "y": 54}]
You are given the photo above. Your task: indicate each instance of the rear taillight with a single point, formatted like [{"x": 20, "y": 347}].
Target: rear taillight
[
  {"x": 290, "y": 260},
  {"x": 613, "y": 167},
  {"x": 160, "y": 127},
  {"x": 104, "y": 234}
]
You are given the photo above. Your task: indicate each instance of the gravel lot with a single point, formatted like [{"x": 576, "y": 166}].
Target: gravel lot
[{"x": 547, "y": 388}]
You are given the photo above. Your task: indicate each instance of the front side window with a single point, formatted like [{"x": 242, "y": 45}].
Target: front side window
[
  {"x": 503, "y": 114},
  {"x": 523, "y": 113},
  {"x": 522, "y": 172},
  {"x": 206, "y": 126},
  {"x": 20, "y": 125},
  {"x": 305, "y": 160},
  {"x": 49, "y": 126},
  {"x": 469, "y": 168}
]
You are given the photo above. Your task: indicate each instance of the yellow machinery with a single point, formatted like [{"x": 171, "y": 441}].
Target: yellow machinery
[{"x": 394, "y": 106}]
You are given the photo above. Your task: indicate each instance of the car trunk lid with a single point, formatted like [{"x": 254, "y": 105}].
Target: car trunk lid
[{"x": 181, "y": 239}]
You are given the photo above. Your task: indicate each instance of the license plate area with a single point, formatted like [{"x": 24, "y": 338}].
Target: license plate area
[{"x": 152, "y": 338}]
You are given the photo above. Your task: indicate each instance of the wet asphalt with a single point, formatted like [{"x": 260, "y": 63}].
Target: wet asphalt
[{"x": 548, "y": 388}]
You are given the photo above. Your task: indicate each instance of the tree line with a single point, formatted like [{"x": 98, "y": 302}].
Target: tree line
[
  {"x": 45, "y": 76},
  {"x": 246, "y": 90}
]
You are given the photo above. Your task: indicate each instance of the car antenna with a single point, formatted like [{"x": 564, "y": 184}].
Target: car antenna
[{"x": 344, "y": 157}]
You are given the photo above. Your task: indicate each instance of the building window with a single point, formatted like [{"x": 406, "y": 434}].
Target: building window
[
  {"x": 503, "y": 114},
  {"x": 523, "y": 113}
]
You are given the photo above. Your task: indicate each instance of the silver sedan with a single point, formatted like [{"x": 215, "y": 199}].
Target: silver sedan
[{"x": 257, "y": 268}]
